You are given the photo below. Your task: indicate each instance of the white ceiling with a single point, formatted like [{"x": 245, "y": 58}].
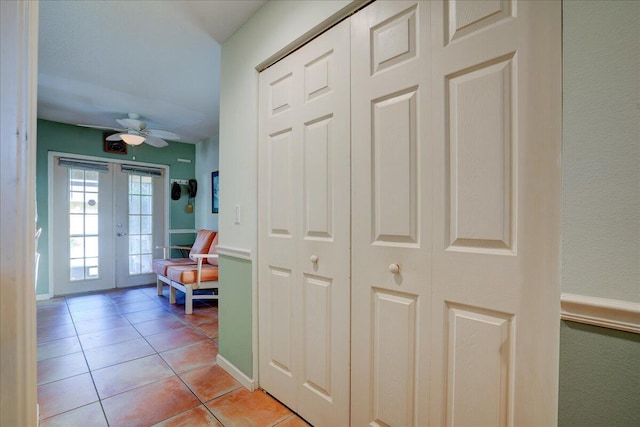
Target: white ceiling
[{"x": 99, "y": 60}]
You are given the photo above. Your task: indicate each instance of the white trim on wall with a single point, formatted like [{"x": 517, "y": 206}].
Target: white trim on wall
[
  {"x": 235, "y": 252},
  {"x": 182, "y": 230},
  {"x": 236, "y": 373},
  {"x": 604, "y": 312}
]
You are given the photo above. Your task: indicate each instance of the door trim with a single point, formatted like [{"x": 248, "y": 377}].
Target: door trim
[
  {"x": 50, "y": 165},
  {"x": 19, "y": 74}
]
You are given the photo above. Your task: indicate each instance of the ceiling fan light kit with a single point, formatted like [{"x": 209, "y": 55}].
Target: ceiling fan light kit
[{"x": 132, "y": 139}]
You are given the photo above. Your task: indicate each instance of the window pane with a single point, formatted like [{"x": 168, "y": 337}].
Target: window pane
[
  {"x": 146, "y": 224},
  {"x": 91, "y": 262},
  {"x": 145, "y": 264},
  {"x": 91, "y": 181},
  {"x": 134, "y": 245},
  {"x": 76, "y": 247},
  {"x": 76, "y": 202},
  {"x": 146, "y": 244},
  {"x": 134, "y": 184},
  {"x": 76, "y": 269},
  {"x": 91, "y": 224},
  {"x": 134, "y": 224},
  {"x": 91, "y": 246},
  {"x": 146, "y": 187},
  {"x": 76, "y": 174},
  {"x": 76, "y": 225},
  {"x": 134, "y": 205},
  {"x": 147, "y": 206},
  {"x": 134, "y": 264}
]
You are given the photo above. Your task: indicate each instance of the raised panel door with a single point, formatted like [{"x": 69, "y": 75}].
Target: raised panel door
[{"x": 304, "y": 229}]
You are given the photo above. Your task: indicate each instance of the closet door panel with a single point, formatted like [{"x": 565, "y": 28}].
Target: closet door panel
[
  {"x": 304, "y": 263},
  {"x": 391, "y": 192},
  {"x": 324, "y": 391},
  {"x": 279, "y": 276},
  {"x": 495, "y": 289}
]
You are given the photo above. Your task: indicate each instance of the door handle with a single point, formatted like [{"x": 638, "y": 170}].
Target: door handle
[
  {"x": 121, "y": 234},
  {"x": 314, "y": 259},
  {"x": 394, "y": 268}
]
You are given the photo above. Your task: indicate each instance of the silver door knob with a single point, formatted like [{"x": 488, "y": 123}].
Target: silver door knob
[
  {"x": 121, "y": 234},
  {"x": 313, "y": 259},
  {"x": 394, "y": 268}
]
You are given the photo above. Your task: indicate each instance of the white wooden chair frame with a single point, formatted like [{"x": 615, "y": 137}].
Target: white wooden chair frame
[{"x": 188, "y": 288}]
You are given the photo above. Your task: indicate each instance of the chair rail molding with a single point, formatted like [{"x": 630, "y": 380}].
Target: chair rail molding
[
  {"x": 604, "y": 312},
  {"x": 235, "y": 252}
]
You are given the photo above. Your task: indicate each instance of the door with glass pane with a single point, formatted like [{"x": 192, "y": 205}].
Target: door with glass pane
[
  {"x": 106, "y": 221},
  {"x": 81, "y": 255},
  {"x": 139, "y": 226}
]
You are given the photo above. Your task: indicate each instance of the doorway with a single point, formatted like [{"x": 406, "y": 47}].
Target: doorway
[{"x": 107, "y": 219}]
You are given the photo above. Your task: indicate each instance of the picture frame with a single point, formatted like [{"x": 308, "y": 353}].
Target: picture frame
[
  {"x": 115, "y": 147},
  {"x": 215, "y": 182}
]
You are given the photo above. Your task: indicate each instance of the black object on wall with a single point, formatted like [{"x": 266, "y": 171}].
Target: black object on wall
[
  {"x": 176, "y": 191},
  {"x": 193, "y": 188}
]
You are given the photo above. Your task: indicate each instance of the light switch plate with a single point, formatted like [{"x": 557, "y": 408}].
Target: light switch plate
[{"x": 237, "y": 216}]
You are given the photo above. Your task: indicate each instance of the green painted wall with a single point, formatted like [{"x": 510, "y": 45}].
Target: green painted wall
[
  {"x": 235, "y": 319},
  {"x": 59, "y": 137},
  {"x": 599, "y": 377}
]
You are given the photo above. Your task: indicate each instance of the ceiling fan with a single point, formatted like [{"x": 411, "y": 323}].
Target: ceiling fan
[{"x": 134, "y": 132}]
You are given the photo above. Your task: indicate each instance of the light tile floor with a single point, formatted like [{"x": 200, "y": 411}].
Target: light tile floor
[{"x": 127, "y": 358}]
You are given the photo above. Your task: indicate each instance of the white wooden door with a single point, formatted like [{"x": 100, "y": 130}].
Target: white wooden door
[
  {"x": 81, "y": 222},
  {"x": 139, "y": 223},
  {"x": 456, "y": 203},
  {"x": 304, "y": 229},
  {"x": 392, "y": 192},
  {"x": 496, "y": 276}
]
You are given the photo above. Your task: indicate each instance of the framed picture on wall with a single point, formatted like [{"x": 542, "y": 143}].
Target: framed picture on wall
[
  {"x": 215, "y": 182},
  {"x": 117, "y": 147}
]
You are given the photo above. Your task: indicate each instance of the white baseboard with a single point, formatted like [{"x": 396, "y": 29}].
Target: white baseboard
[
  {"x": 236, "y": 373},
  {"x": 607, "y": 313},
  {"x": 43, "y": 297}
]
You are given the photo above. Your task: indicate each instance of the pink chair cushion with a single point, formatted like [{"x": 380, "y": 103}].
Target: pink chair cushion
[
  {"x": 213, "y": 250},
  {"x": 160, "y": 265},
  {"x": 189, "y": 274},
  {"x": 203, "y": 242}
]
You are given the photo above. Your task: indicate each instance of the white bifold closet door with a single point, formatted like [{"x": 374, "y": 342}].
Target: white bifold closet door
[
  {"x": 304, "y": 229},
  {"x": 456, "y": 127}
]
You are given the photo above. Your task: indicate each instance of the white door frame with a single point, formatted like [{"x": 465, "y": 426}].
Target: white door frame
[
  {"x": 51, "y": 163},
  {"x": 18, "y": 100}
]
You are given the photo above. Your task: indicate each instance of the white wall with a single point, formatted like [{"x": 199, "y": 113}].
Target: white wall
[
  {"x": 601, "y": 149},
  {"x": 273, "y": 27},
  {"x": 207, "y": 161}
]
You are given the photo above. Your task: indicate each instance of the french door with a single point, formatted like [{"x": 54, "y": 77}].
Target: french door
[{"x": 106, "y": 220}]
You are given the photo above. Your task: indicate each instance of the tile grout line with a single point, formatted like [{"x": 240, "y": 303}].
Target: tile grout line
[{"x": 104, "y": 414}]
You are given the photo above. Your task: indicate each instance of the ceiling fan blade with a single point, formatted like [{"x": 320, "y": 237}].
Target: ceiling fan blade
[
  {"x": 100, "y": 127},
  {"x": 114, "y": 137},
  {"x": 131, "y": 124},
  {"x": 164, "y": 134},
  {"x": 156, "y": 142}
]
